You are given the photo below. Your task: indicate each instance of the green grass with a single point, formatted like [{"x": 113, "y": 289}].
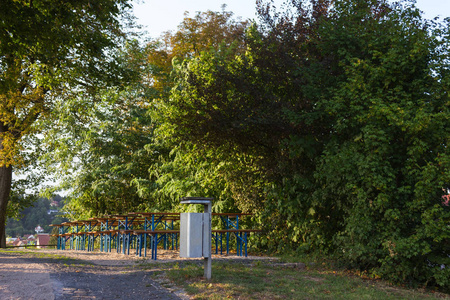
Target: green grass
[
  {"x": 266, "y": 281},
  {"x": 38, "y": 253}
]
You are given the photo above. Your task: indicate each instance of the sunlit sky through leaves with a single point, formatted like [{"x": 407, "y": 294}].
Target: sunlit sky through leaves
[{"x": 162, "y": 15}]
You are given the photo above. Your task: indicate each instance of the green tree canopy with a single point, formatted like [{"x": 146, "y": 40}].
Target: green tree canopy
[
  {"x": 345, "y": 105},
  {"x": 98, "y": 150},
  {"x": 47, "y": 50},
  {"x": 107, "y": 151}
]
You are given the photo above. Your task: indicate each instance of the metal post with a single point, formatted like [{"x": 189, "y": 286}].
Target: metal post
[{"x": 208, "y": 258}]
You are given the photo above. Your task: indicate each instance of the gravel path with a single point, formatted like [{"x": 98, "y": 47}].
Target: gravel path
[
  {"x": 100, "y": 276},
  {"x": 56, "y": 274}
]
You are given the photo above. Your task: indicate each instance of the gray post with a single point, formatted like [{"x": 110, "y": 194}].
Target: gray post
[
  {"x": 207, "y": 205},
  {"x": 207, "y": 241}
]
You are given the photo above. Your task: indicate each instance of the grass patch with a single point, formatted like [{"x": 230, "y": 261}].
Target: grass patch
[
  {"x": 50, "y": 256},
  {"x": 262, "y": 280}
]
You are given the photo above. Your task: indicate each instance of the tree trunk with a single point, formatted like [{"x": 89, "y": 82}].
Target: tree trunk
[{"x": 5, "y": 188}]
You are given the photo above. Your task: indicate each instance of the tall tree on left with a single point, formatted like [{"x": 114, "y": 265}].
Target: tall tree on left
[{"x": 50, "y": 49}]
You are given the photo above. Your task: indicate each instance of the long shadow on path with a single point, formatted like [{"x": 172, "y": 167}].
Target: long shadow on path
[{"x": 74, "y": 279}]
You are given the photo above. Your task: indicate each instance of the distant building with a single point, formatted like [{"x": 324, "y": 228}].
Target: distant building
[
  {"x": 38, "y": 229},
  {"x": 30, "y": 239},
  {"x": 10, "y": 240},
  {"x": 19, "y": 243},
  {"x": 42, "y": 240}
]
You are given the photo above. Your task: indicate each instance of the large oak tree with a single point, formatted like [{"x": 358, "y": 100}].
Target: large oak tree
[{"x": 48, "y": 49}]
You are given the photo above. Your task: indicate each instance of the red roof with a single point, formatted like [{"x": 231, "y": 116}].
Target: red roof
[
  {"x": 18, "y": 242},
  {"x": 42, "y": 239}
]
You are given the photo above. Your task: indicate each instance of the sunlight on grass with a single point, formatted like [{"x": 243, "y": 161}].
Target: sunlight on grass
[
  {"x": 264, "y": 281},
  {"x": 41, "y": 254}
]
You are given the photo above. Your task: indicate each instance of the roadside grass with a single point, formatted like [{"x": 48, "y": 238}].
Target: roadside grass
[
  {"x": 40, "y": 253},
  {"x": 284, "y": 278},
  {"x": 263, "y": 280}
]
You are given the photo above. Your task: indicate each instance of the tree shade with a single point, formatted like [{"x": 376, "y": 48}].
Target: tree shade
[
  {"x": 346, "y": 106},
  {"x": 47, "y": 50}
]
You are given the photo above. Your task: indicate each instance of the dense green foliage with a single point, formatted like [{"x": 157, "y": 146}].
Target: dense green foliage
[
  {"x": 329, "y": 121},
  {"x": 104, "y": 148},
  {"x": 50, "y": 51},
  {"x": 387, "y": 160},
  {"x": 345, "y": 111},
  {"x": 41, "y": 213},
  {"x": 96, "y": 146}
]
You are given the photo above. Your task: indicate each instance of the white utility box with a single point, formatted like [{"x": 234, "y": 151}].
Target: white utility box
[
  {"x": 195, "y": 232},
  {"x": 195, "y": 235}
]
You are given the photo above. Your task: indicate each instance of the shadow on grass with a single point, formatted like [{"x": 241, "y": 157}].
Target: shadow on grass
[{"x": 259, "y": 280}]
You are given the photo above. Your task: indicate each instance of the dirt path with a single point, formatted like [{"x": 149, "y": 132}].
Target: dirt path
[
  {"x": 48, "y": 275},
  {"x": 23, "y": 279},
  {"x": 55, "y": 274}
]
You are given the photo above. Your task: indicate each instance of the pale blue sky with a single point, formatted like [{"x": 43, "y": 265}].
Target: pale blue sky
[{"x": 162, "y": 15}]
